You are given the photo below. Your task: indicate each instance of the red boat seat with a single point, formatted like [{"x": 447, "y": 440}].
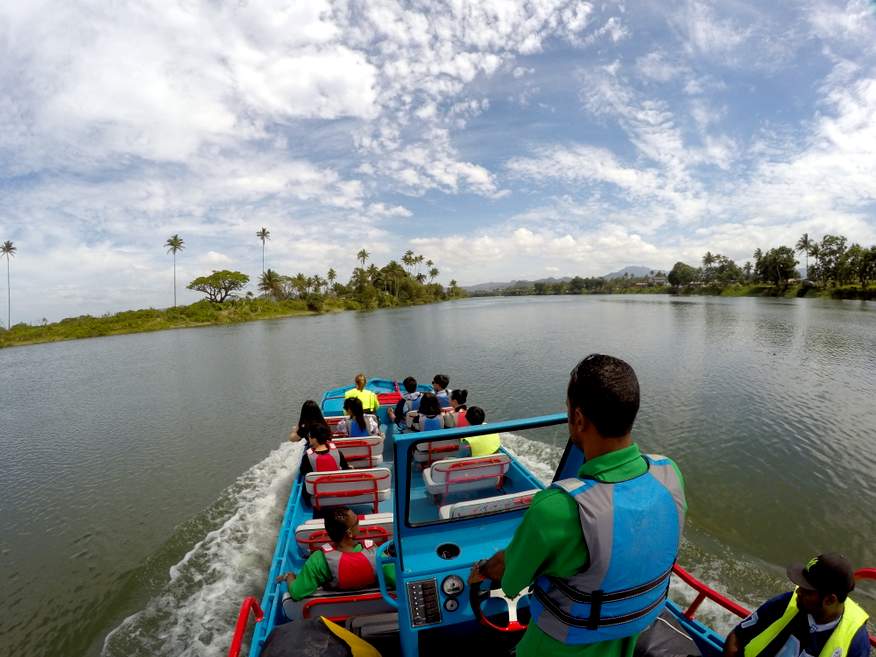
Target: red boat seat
[
  {"x": 311, "y": 535},
  {"x": 337, "y": 606},
  {"x": 348, "y": 487},
  {"x": 433, "y": 450},
  {"x": 364, "y": 452},
  {"x": 487, "y": 505},
  {"x": 462, "y": 475}
]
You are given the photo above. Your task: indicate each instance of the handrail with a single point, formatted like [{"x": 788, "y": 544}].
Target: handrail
[
  {"x": 704, "y": 592},
  {"x": 250, "y": 603},
  {"x": 867, "y": 573}
]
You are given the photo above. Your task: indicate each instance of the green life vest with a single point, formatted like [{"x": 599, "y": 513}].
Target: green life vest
[
  {"x": 484, "y": 445},
  {"x": 837, "y": 644}
]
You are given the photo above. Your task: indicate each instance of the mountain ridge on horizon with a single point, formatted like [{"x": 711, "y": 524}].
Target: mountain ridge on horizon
[{"x": 632, "y": 270}]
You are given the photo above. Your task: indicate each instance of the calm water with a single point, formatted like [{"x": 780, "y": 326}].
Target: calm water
[{"x": 143, "y": 476}]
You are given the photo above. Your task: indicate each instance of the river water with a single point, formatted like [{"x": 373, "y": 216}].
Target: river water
[{"x": 143, "y": 476}]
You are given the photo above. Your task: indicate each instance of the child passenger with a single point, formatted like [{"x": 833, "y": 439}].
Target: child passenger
[
  {"x": 478, "y": 445},
  {"x": 456, "y": 418},
  {"x": 439, "y": 385},
  {"x": 429, "y": 417},
  {"x": 410, "y": 401},
  {"x": 358, "y": 423},
  {"x": 310, "y": 415}
]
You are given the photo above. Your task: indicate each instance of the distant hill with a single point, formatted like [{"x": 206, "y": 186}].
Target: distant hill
[{"x": 632, "y": 270}]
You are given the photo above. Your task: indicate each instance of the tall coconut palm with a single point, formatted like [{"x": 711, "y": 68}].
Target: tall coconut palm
[
  {"x": 271, "y": 283},
  {"x": 433, "y": 273},
  {"x": 174, "y": 243},
  {"x": 263, "y": 234},
  {"x": 362, "y": 256},
  {"x": 408, "y": 259},
  {"x": 8, "y": 249},
  {"x": 332, "y": 276},
  {"x": 419, "y": 260},
  {"x": 804, "y": 244}
]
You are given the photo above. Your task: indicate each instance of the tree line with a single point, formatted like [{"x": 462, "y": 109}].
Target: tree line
[{"x": 834, "y": 263}]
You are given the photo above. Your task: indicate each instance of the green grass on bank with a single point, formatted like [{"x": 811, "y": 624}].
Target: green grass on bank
[
  {"x": 785, "y": 291},
  {"x": 202, "y": 313}
]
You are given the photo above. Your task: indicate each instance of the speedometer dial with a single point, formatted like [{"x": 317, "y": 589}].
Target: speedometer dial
[{"x": 452, "y": 585}]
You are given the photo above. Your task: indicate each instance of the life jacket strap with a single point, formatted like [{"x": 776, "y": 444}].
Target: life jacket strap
[
  {"x": 595, "y": 621},
  {"x": 579, "y": 596}
]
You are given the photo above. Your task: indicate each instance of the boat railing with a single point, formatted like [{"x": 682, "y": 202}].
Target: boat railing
[{"x": 250, "y": 604}]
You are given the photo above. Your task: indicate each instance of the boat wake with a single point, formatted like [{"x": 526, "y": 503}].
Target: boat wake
[{"x": 194, "y": 612}]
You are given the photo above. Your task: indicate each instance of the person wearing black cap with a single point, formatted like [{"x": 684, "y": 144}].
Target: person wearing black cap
[{"x": 818, "y": 619}]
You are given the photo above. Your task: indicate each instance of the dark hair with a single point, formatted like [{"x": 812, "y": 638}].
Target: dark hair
[
  {"x": 410, "y": 384},
  {"x": 310, "y": 414},
  {"x": 459, "y": 396},
  {"x": 429, "y": 404},
  {"x": 336, "y": 523},
  {"x": 442, "y": 380},
  {"x": 320, "y": 433},
  {"x": 475, "y": 415},
  {"x": 605, "y": 389},
  {"x": 354, "y": 405}
]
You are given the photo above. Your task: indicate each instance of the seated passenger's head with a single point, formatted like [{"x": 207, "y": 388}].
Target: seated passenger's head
[
  {"x": 340, "y": 523},
  {"x": 360, "y": 381},
  {"x": 475, "y": 415},
  {"x": 440, "y": 382},
  {"x": 318, "y": 434},
  {"x": 410, "y": 384},
  {"x": 603, "y": 397},
  {"x": 310, "y": 413},
  {"x": 429, "y": 404},
  {"x": 353, "y": 408},
  {"x": 458, "y": 397}
]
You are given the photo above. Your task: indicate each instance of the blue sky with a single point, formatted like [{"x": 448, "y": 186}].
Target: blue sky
[{"x": 500, "y": 139}]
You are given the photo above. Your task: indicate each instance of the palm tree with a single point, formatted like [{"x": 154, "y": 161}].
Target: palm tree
[
  {"x": 332, "y": 276},
  {"x": 174, "y": 243},
  {"x": 804, "y": 244},
  {"x": 408, "y": 258},
  {"x": 421, "y": 278},
  {"x": 270, "y": 283},
  {"x": 363, "y": 255},
  {"x": 263, "y": 234},
  {"x": 430, "y": 264},
  {"x": 8, "y": 249},
  {"x": 433, "y": 273},
  {"x": 418, "y": 260}
]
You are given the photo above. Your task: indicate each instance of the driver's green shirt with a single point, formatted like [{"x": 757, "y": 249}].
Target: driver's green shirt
[{"x": 549, "y": 542}]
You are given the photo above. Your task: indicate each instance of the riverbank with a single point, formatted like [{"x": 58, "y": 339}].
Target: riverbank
[
  {"x": 202, "y": 313},
  {"x": 783, "y": 291}
]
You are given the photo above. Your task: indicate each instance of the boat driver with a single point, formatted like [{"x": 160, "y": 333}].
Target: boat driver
[
  {"x": 818, "y": 618},
  {"x": 369, "y": 400},
  {"x": 629, "y": 507},
  {"x": 345, "y": 563}
]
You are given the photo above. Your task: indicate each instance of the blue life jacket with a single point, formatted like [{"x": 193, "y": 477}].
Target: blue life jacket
[
  {"x": 431, "y": 423},
  {"x": 412, "y": 401},
  {"x": 443, "y": 398},
  {"x": 354, "y": 430},
  {"x": 633, "y": 530}
]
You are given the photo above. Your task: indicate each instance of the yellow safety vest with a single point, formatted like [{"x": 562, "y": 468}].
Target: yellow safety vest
[
  {"x": 368, "y": 399},
  {"x": 837, "y": 644},
  {"x": 484, "y": 445}
]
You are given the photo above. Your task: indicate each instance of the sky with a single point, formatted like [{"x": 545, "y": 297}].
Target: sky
[{"x": 501, "y": 139}]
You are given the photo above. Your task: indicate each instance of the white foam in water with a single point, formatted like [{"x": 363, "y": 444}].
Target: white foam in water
[
  {"x": 539, "y": 458},
  {"x": 194, "y": 614}
]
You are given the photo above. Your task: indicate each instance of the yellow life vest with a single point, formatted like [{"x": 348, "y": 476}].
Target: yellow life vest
[
  {"x": 484, "y": 445},
  {"x": 369, "y": 400},
  {"x": 837, "y": 644}
]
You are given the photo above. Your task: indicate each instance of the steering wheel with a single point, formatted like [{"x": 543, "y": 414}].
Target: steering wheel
[
  {"x": 478, "y": 594},
  {"x": 379, "y": 560}
]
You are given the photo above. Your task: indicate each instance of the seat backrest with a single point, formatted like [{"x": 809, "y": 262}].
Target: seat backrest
[
  {"x": 337, "y": 425},
  {"x": 434, "y": 450},
  {"x": 365, "y": 452},
  {"x": 338, "y": 606},
  {"x": 458, "y": 471},
  {"x": 312, "y": 534},
  {"x": 348, "y": 487},
  {"x": 486, "y": 506}
]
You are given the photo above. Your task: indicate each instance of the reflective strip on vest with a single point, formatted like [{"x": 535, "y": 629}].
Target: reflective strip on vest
[
  {"x": 838, "y": 643},
  {"x": 484, "y": 445},
  {"x": 318, "y": 464},
  {"x": 632, "y": 530},
  {"x": 351, "y": 570}
]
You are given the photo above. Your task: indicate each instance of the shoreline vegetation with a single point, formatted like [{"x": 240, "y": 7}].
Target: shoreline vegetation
[
  {"x": 370, "y": 288},
  {"x": 837, "y": 271}
]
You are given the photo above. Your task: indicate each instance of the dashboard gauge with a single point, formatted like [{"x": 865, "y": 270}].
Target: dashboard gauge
[
  {"x": 451, "y": 604},
  {"x": 452, "y": 585}
]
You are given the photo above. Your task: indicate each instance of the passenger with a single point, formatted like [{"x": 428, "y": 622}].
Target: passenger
[
  {"x": 568, "y": 554},
  {"x": 358, "y": 423},
  {"x": 429, "y": 417},
  {"x": 410, "y": 400},
  {"x": 369, "y": 400},
  {"x": 310, "y": 414},
  {"x": 323, "y": 455},
  {"x": 439, "y": 385},
  {"x": 346, "y": 563},
  {"x": 456, "y": 418},
  {"x": 818, "y": 618},
  {"x": 478, "y": 445}
]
